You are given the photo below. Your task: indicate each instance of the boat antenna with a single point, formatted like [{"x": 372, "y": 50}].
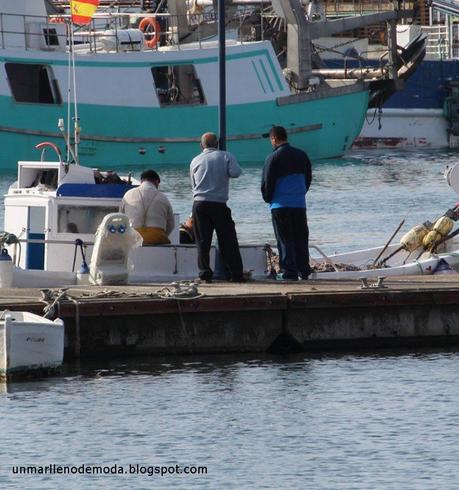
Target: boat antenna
[
  {"x": 69, "y": 93},
  {"x": 71, "y": 87},
  {"x": 76, "y": 119},
  {"x": 66, "y": 136}
]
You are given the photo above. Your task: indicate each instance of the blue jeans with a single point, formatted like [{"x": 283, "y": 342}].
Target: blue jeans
[{"x": 292, "y": 235}]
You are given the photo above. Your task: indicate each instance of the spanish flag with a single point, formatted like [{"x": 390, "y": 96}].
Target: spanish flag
[{"x": 83, "y": 10}]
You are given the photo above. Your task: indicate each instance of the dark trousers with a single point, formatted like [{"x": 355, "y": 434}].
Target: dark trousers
[
  {"x": 292, "y": 234},
  {"x": 210, "y": 216}
]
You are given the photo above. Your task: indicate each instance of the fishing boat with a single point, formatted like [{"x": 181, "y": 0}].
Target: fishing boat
[
  {"x": 424, "y": 114},
  {"x": 361, "y": 264},
  {"x": 147, "y": 87},
  {"x": 29, "y": 343},
  {"x": 52, "y": 214},
  {"x": 428, "y": 248}
]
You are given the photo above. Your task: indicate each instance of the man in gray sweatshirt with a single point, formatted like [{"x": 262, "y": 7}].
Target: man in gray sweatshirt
[{"x": 210, "y": 172}]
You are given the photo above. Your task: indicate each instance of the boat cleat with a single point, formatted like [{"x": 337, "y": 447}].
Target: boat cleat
[{"x": 375, "y": 285}]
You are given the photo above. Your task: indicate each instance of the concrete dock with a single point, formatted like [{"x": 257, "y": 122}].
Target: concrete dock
[{"x": 250, "y": 317}]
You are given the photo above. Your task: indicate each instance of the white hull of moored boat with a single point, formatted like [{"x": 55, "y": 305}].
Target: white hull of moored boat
[
  {"x": 29, "y": 342},
  {"x": 162, "y": 263},
  {"x": 404, "y": 128},
  {"x": 177, "y": 263},
  {"x": 401, "y": 264}
]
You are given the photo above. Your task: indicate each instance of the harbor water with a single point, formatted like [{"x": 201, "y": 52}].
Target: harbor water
[{"x": 351, "y": 420}]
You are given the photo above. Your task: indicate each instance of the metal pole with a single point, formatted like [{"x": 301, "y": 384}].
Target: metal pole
[{"x": 222, "y": 75}]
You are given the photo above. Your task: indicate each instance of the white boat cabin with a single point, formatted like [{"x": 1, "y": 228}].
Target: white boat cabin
[{"x": 54, "y": 207}]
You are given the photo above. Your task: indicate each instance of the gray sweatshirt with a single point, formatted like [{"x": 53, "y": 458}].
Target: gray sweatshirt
[{"x": 210, "y": 172}]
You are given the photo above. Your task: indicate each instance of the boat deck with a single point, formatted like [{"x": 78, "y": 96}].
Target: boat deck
[{"x": 254, "y": 317}]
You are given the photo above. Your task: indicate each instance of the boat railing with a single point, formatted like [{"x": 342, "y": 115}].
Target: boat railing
[
  {"x": 38, "y": 241},
  {"x": 439, "y": 44},
  {"x": 341, "y": 8},
  {"x": 175, "y": 32},
  {"x": 327, "y": 259}
]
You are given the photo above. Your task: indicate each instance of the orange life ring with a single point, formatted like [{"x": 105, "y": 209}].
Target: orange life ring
[
  {"x": 57, "y": 20},
  {"x": 151, "y": 30}
]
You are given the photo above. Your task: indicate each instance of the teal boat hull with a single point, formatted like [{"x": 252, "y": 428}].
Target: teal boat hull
[{"x": 136, "y": 136}]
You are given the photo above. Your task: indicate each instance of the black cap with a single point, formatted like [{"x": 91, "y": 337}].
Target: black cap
[{"x": 150, "y": 175}]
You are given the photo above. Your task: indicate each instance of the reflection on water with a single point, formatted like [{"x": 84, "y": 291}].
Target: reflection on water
[{"x": 340, "y": 421}]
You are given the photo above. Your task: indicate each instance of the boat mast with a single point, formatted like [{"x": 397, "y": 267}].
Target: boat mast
[
  {"x": 76, "y": 123},
  {"x": 222, "y": 75}
]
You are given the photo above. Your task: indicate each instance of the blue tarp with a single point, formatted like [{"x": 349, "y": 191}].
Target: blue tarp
[{"x": 93, "y": 190}]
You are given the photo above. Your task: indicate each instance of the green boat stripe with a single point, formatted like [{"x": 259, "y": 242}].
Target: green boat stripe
[
  {"x": 138, "y": 64},
  {"x": 185, "y": 139},
  {"x": 260, "y": 61},
  {"x": 276, "y": 76},
  {"x": 258, "y": 76}
]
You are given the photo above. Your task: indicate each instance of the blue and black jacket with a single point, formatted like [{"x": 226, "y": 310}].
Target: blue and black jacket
[{"x": 286, "y": 177}]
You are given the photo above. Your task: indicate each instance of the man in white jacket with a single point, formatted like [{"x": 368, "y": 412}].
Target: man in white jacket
[{"x": 149, "y": 210}]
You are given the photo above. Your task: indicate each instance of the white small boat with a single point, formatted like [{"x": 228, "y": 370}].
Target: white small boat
[
  {"x": 29, "y": 343},
  {"x": 360, "y": 263},
  {"x": 54, "y": 210}
]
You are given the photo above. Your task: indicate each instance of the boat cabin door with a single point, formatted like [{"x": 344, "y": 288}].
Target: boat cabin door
[{"x": 36, "y": 226}]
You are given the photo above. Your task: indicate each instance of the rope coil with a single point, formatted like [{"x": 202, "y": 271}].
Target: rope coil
[{"x": 183, "y": 290}]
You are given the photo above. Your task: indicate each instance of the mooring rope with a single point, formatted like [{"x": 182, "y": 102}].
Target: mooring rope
[{"x": 182, "y": 290}]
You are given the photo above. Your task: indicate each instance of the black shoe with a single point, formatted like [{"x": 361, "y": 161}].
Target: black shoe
[
  {"x": 304, "y": 276},
  {"x": 238, "y": 279},
  {"x": 206, "y": 279}
]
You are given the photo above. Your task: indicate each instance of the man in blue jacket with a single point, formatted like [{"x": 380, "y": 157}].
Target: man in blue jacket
[
  {"x": 210, "y": 172},
  {"x": 286, "y": 178}
]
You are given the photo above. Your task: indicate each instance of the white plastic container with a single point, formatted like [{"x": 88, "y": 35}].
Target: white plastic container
[{"x": 6, "y": 270}]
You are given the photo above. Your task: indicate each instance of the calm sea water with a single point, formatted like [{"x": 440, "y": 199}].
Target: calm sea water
[
  {"x": 378, "y": 421},
  {"x": 351, "y": 421}
]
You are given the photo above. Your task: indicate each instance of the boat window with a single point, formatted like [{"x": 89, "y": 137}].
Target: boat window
[
  {"x": 33, "y": 83},
  {"x": 47, "y": 178},
  {"x": 81, "y": 219},
  {"x": 51, "y": 37},
  {"x": 177, "y": 85}
]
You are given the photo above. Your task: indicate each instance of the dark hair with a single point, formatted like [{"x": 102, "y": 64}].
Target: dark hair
[
  {"x": 278, "y": 132},
  {"x": 150, "y": 175}
]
